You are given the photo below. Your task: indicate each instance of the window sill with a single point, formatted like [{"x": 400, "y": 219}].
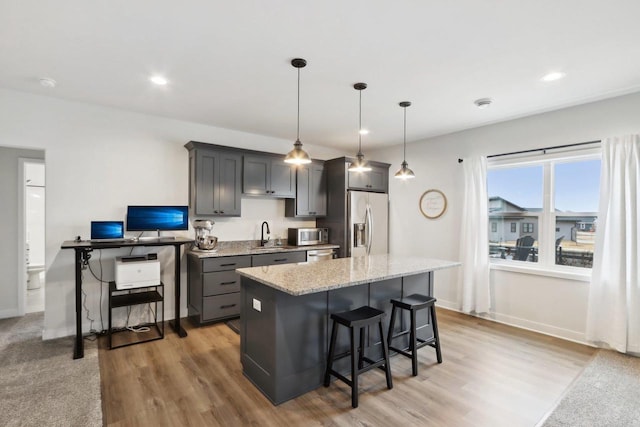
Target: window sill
[{"x": 569, "y": 273}]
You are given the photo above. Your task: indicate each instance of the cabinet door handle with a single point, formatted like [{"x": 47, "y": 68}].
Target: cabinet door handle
[
  {"x": 227, "y": 283},
  {"x": 280, "y": 260},
  {"x": 222, "y": 307},
  {"x": 221, "y": 212},
  {"x": 215, "y": 211},
  {"x": 227, "y": 265}
]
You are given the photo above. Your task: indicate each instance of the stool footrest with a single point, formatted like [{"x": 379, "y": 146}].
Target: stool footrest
[
  {"x": 371, "y": 364},
  {"x": 339, "y": 376},
  {"x": 400, "y": 334},
  {"x": 421, "y": 343}
]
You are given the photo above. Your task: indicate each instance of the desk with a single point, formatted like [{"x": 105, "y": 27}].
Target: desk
[{"x": 82, "y": 249}]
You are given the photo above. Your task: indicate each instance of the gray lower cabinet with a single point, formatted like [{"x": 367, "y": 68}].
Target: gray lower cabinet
[
  {"x": 267, "y": 176},
  {"x": 284, "y": 345},
  {"x": 278, "y": 258},
  {"x": 215, "y": 182},
  {"x": 311, "y": 192},
  {"x": 214, "y": 285}
]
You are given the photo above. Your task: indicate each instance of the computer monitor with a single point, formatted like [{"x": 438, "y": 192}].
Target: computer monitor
[
  {"x": 107, "y": 230},
  {"x": 151, "y": 218}
]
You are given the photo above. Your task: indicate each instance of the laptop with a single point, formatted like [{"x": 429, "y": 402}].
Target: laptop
[{"x": 107, "y": 231}]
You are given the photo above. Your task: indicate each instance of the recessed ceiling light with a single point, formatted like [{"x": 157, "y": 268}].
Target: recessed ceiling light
[
  {"x": 483, "y": 103},
  {"x": 364, "y": 132},
  {"x": 159, "y": 80},
  {"x": 47, "y": 82},
  {"x": 556, "y": 75}
]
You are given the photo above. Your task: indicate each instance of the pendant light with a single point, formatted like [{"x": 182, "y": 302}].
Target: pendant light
[
  {"x": 404, "y": 172},
  {"x": 298, "y": 156},
  {"x": 360, "y": 165}
]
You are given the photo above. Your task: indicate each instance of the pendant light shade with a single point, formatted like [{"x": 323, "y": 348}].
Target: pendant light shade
[
  {"x": 298, "y": 156},
  {"x": 405, "y": 173},
  {"x": 360, "y": 165}
]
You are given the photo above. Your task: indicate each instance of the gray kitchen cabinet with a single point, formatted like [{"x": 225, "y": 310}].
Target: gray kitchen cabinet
[
  {"x": 267, "y": 176},
  {"x": 375, "y": 180},
  {"x": 214, "y": 287},
  {"x": 311, "y": 192},
  {"x": 278, "y": 258},
  {"x": 339, "y": 181},
  {"x": 214, "y": 182}
]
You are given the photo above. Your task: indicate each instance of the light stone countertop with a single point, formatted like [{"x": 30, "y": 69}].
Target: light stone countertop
[
  {"x": 311, "y": 277},
  {"x": 252, "y": 247}
]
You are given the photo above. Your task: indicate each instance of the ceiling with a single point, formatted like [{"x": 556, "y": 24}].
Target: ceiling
[{"x": 228, "y": 62}]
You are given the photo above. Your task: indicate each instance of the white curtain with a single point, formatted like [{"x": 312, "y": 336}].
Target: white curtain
[
  {"x": 613, "y": 316},
  {"x": 474, "y": 244}
]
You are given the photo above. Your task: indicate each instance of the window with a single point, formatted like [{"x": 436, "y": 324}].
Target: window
[{"x": 554, "y": 198}]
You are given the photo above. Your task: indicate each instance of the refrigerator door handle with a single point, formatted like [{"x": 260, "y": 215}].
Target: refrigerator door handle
[{"x": 369, "y": 222}]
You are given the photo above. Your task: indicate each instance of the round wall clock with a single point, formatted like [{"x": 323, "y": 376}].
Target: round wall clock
[{"x": 433, "y": 204}]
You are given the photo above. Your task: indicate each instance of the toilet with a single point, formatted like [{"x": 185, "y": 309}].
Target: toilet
[{"x": 33, "y": 276}]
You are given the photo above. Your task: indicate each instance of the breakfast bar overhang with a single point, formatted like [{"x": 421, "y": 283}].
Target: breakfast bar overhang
[{"x": 284, "y": 332}]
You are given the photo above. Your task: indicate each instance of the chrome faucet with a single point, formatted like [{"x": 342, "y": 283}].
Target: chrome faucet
[{"x": 262, "y": 241}]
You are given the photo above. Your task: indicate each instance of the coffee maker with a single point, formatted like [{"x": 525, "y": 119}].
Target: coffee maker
[{"x": 205, "y": 241}]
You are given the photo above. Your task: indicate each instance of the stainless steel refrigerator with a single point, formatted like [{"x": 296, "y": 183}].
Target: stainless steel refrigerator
[{"x": 367, "y": 223}]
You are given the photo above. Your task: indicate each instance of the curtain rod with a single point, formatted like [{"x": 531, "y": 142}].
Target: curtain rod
[{"x": 544, "y": 150}]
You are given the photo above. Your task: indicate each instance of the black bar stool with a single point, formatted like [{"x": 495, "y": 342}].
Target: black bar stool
[
  {"x": 357, "y": 320},
  {"x": 413, "y": 303}
]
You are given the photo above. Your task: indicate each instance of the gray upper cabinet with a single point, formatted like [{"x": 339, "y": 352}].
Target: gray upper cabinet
[
  {"x": 215, "y": 182},
  {"x": 375, "y": 180},
  {"x": 311, "y": 192},
  {"x": 267, "y": 176}
]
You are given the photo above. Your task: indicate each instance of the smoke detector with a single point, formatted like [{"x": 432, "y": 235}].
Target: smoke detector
[
  {"x": 47, "y": 82},
  {"x": 483, "y": 102}
]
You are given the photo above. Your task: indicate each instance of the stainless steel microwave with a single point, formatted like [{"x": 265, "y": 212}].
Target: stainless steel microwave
[{"x": 308, "y": 236}]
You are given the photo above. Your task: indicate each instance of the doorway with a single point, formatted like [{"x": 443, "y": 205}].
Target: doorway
[{"x": 34, "y": 234}]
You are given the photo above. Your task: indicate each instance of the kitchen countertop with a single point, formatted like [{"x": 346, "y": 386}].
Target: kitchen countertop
[
  {"x": 252, "y": 247},
  {"x": 306, "y": 278}
]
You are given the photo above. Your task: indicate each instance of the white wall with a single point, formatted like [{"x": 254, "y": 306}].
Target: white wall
[
  {"x": 10, "y": 256},
  {"x": 99, "y": 160},
  {"x": 546, "y": 304}
]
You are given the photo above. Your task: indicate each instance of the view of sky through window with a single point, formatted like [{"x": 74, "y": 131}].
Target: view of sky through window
[
  {"x": 577, "y": 186},
  {"x": 521, "y": 186}
]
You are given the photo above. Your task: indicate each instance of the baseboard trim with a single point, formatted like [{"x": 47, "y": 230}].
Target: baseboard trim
[
  {"x": 525, "y": 324},
  {"x": 449, "y": 305},
  {"x": 9, "y": 312},
  {"x": 51, "y": 334}
]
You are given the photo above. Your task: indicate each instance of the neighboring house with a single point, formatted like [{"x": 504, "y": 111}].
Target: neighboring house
[{"x": 508, "y": 228}]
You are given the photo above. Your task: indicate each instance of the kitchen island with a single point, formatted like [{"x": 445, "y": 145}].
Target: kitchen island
[{"x": 285, "y": 309}]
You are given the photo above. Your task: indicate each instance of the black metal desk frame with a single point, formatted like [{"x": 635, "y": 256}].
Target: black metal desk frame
[{"x": 82, "y": 249}]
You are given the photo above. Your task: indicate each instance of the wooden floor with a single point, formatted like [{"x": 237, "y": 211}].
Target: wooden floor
[{"x": 492, "y": 375}]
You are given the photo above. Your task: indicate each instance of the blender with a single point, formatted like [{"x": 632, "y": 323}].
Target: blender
[{"x": 205, "y": 241}]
